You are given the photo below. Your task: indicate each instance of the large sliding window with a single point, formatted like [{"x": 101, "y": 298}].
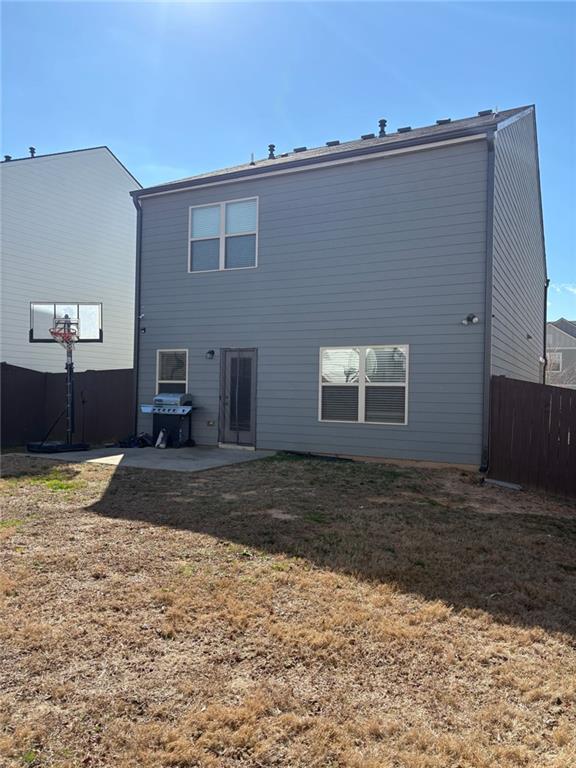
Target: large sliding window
[
  {"x": 223, "y": 236},
  {"x": 364, "y": 384}
]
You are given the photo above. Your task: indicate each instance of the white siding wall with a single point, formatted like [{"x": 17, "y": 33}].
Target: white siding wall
[{"x": 68, "y": 234}]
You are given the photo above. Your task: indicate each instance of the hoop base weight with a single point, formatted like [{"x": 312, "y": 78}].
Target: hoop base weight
[{"x": 56, "y": 446}]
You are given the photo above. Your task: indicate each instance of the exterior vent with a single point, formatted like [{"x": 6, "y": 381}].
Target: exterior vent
[
  {"x": 444, "y": 121},
  {"x": 284, "y": 154},
  {"x": 406, "y": 129},
  {"x": 484, "y": 112},
  {"x": 368, "y": 136},
  {"x": 7, "y": 158},
  {"x": 271, "y": 150},
  {"x": 332, "y": 143},
  {"x": 300, "y": 149},
  {"x": 382, "y": 123}
]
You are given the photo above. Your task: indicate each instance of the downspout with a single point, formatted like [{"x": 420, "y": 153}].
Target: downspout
[
  {"x": 488, "y": 305},
  {"x": 137, "y": 312},
  {"x": 544, "y": 335}
]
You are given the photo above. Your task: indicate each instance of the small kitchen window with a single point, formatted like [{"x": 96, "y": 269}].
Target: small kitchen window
[
  {"x": 172, "y": 370},
  {"x": 368, "y": 385},
  {"x": 554, "y": 362},
  {"x": 223, "y": 236}
]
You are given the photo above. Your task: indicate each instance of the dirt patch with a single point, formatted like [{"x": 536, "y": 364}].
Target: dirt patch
[{"x": 289, "y": 612}]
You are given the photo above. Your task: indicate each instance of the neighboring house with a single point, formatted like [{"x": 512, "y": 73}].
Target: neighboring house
[
  {"x": 352, "y": 299},
  {"x": 561, "y": 353},
  {"x": 67, "y": 245}
]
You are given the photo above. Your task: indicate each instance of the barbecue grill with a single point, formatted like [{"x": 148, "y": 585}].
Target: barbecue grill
[{"x": 170, "y": 410}]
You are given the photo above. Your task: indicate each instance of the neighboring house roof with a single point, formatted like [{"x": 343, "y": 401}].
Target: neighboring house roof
[
  {"x": 567, "y": 326},
  {"x": 71, "y": 152},
  {"x": 442, "y": 130}
]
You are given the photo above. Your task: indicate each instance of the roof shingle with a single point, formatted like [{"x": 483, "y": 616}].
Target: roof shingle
[{"x": 283, "y": 159}]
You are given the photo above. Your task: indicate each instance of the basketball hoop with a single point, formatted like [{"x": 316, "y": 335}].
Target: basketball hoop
[{"x": 65, "y": 332}]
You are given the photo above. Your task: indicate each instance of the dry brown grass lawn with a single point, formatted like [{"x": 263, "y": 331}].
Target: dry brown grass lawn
[{"x": 293, "y": 613}]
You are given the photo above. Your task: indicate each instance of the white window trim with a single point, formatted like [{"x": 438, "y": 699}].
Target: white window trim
[
  {"x": 170, "y": 381},
  {"x": 362, "y": 385},
  {"x": 222, "y": 235},
  {"x": 554, "y": 352}
]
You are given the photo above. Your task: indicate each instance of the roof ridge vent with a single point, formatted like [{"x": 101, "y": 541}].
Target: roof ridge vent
[
  {"x": 300, "y": 149},
  {"x": 406, "y": 129},
  {"x": 368, "y": 136},
  {"x": 332, "y": 143},
  {"x": 485, "y": 112},
  {"x": 444, "y": 121}
]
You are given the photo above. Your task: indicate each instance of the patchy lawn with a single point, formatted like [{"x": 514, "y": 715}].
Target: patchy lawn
[{"x": 294, "y": 613}]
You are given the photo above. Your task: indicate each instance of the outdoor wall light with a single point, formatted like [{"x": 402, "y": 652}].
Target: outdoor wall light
[
  {"x": 209, "y": 355},
  {"x": 470, "y": 319}
]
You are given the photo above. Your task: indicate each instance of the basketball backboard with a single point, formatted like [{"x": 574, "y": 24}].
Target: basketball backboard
[{"x": 43, "y": 316}]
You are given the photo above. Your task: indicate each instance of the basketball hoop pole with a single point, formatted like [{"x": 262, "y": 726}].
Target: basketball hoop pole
[
  {"x": 65, "y": 333},
  {"x": 69, "y": 392}
]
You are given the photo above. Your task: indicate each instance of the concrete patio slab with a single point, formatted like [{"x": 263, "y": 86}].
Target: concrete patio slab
[{"x": 177, "y": 460}]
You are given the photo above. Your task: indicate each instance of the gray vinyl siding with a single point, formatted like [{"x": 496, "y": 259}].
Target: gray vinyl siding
[
  {"x": 383, "y": 251},
  {"x": 558, "y": 341},
  {"x": 519, "y": 268},
  {"x": 68, "y": 235}
]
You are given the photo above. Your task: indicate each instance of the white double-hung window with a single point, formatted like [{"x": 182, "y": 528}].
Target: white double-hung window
[
  {"x": 171, "y": 370},
  {"x": 364, "y": 384},
  {"x": 554, "y": 362},
  {"x": 223, "y": 236}
]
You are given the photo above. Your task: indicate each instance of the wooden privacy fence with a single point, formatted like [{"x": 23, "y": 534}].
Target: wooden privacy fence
[
  {"x": 33, "y": 400},
  {"x": 533, "y": 435}
]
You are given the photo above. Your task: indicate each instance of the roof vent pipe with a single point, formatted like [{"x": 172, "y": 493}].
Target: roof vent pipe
[
  {"x": 382, "y": 125},
  {"x": 32, "y": 151},
  {"x": 271, "y": 148}
]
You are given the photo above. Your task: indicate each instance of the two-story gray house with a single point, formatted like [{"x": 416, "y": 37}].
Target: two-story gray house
[{"x": 351, "y": 299}]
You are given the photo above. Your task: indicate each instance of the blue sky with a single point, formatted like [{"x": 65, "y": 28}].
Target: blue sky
[{"x": 177, "y": 89}]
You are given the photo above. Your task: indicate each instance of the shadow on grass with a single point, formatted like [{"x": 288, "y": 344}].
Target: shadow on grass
[{"x": 435, "y": 534}]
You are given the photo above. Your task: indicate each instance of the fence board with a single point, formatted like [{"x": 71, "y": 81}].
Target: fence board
[
  {"x": 32, "y": 400},
  {"x": 533, "y": 435}
]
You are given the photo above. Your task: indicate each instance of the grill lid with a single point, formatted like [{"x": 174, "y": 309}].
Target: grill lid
[{"x": 172, "y": 399}]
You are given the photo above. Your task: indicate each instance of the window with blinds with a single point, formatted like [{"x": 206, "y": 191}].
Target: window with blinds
[
  {"x": 172, "y": 370},
  {"x": 364, "y": 384},
  {"x": 223, "y": 236}
]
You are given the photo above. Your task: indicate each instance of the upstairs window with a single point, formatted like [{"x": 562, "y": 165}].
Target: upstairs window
[
  {"x": 223, "y": 236},
  {"x": 364, "y": 384},
  {"x": 172, "y": 370}
]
